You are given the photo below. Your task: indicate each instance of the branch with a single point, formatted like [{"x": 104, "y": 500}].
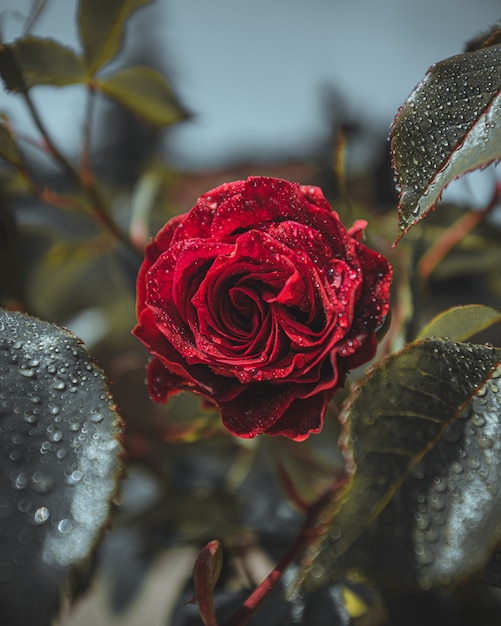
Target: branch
[
  {"x": 85, "y": 184},
  {"x": 309, "y": 531}
]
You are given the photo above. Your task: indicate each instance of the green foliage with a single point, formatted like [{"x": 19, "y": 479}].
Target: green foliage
[
  {"x": 59, "y": 465},
  {"x": 34, "y": 61},
  {"x": 9, "y": 150},
  {"x": 424, "y": 434},
  {"x": 102, "y": 28},
  {"x": 447, "y": 127},
  {"x": 145, "y": 92},
  {"x": 462, "y": 322}
]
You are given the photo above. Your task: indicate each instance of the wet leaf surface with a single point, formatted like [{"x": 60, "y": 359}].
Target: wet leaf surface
[
  {"x": 448, "y": 126},
  {"x": 424, "y": 505},
  {"x": 59, "y": 435}
]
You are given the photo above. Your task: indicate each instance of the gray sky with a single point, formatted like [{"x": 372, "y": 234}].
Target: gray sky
[{"x": 253, "y": 71}]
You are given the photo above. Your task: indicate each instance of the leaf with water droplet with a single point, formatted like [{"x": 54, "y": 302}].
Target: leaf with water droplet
[
  {"x": 449, "y": 125},
  {"x": 462, "y": 322},
  {"x": 56, "y": 480},
  {"x": 423, "y": 506}
]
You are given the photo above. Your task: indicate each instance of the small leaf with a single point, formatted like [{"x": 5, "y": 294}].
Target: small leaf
[
  {"x": 35, "y": 61},
  {"x": 205, "y": 576},
  {"x": 9, "y": 150},
  {"x": 145, "y": 92},
  {"x": 461, "y": 322},
  {"x": 448, "y": 126},
  {"x": 424, "y": 505},
  {"x": 101, "y": 28},
  {"x": 59, "y": 435}
]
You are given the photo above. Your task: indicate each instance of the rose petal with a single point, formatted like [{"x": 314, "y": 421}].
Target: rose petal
[{"x": 261, "y": 301}]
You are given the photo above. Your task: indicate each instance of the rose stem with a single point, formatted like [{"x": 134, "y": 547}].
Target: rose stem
[
  {"x": 87, "y": 185},
  {"x": 454, "y": 234},
  {"x": 307, "y": 533}
]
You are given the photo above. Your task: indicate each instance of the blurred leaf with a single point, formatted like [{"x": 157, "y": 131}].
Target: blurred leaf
[
  {"x": 35, "y": 61},
  {"x": 490, "y": 37},
  {"x": 425, "y": 435},
  {"x": 143, "y": 91},
  {"x": 448, "y": 126},
  {"x": 305, "y": 473},
  {"x": 461, "y": 322},
  {"x": 491, "y": 574},
  {"x": 205, "y": 576},
  {"x": 60, "y": 437},
  {"x": 102, "y": 28},
  {"x": 9, "y": 150}
]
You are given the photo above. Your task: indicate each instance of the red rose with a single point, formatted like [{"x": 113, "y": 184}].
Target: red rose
[{"x": 260, "y": 300}]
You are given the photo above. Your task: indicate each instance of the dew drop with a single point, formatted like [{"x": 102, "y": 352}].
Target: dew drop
[
  {"x": 41, "y": 515},
  {"x": 20, "y": 481},
  {"x": 27, "y": 372},
  {"x": 65, "y": 526},
  {"x": 56, "y": 436}
]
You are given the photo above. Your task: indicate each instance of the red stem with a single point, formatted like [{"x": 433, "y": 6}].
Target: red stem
[
  {"x": 453, "y": 235},
  {"x": 307, "y": 533}
]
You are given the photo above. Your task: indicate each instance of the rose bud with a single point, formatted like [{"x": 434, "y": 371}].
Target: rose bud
[{"x": 261, "y": 301}]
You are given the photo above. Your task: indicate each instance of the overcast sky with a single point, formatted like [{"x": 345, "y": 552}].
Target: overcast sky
[{"x": 253, "y": 71}]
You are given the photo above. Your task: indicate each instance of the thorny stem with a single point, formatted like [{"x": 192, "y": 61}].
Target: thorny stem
[
  {"x": 309, "y": 531},
  {"x": 454, "y": 235},
  {"x": 85, "y": 182}
]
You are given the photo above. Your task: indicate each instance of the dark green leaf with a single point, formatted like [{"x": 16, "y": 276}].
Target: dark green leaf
[
  {"x": 145, "y": 92},
  {"x": 9, "y": 150},
  {"x": 59, "y": 434},
  {"x": 461, "y": 322},
  {"x": 491, "y": 574},
  {"x": 34, "y": 61},
  {"x": 424, "y": 505},
  {"x": 101, "y": 28},
  {"x": 448, "y": 126}
]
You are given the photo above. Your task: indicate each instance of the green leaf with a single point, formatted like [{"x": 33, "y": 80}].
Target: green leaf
[
  {"x": 424, "y": 506},
  {"x": 101, "y": 29},
  {"x": 59, "y": 435},
  {"x": 461, "y": 322},
  {"x": 145, "y": 92},
  {"x": 9, "y": 150},
  {"x": 448, "y": 126},
  {"x": 35, "y": 61}
]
